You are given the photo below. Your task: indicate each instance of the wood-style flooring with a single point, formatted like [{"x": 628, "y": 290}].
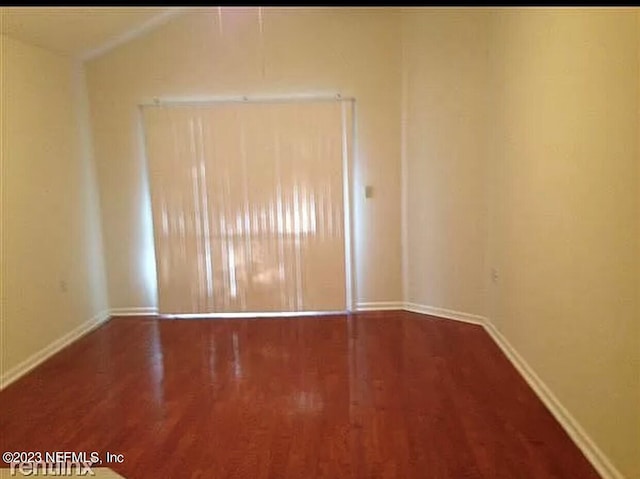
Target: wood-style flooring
[{"x": 373, "y": 395}]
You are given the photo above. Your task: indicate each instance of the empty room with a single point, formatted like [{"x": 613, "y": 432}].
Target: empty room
[{"x": 320, "y": 242}]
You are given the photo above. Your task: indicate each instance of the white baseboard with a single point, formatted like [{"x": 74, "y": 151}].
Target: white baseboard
[
  {"x": 444, "y": 313},
  {"x": 572, "y": 427},
  {"x": 148, "y": 311},
  {"x": 380, "y": 306},
  {"x": 45, "y": 353},
  {"x": 578, "y": 435}
]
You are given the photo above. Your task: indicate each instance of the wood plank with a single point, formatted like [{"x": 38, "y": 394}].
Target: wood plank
[{"x": 372, "y": 395}]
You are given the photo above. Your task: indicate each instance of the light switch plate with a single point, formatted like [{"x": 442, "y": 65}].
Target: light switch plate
[{"x": 368, "y": 191}]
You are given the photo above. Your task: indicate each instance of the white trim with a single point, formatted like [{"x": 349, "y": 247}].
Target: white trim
[
  {"x": 404, "y": 183},
  {"x": 201, "y": 100},
  {"x": 52, "y": 348},
  {"x": 572, "y": 427},
  {"x": 147, "y": 311},
  {"x": 444, "y": 313},
  {"x": 348, "y": 151},
  {"x": 249, "y": 315},
  {"x": 380, "y": 306},
  {"x": 129, "y": 35}
]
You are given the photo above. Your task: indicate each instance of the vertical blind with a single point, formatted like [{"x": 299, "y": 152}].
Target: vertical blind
[{"x": 248, "y": 206}]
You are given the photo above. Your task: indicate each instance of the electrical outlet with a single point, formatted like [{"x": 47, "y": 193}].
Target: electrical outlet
[
  {"x": 63, "y": 286},
  {"x": 494, "y": 275}
]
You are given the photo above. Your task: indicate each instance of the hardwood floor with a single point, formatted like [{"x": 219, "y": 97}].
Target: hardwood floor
[{"x": 372, "y": 395}]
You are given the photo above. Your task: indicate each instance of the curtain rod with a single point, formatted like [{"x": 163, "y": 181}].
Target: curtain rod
[{"x": 241, "y": 99}]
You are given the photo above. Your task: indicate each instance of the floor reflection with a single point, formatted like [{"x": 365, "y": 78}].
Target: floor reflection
[{"x": 374, "y": 395}]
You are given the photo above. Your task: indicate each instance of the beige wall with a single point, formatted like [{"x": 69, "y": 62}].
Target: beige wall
[
  {"x": 50, "y": 220},
  {"x": 564, "y": 216},
  {"x": 520, "y": 154},
  {"x": 306, "y": 51},
  {"x": 445, "y": 129}
]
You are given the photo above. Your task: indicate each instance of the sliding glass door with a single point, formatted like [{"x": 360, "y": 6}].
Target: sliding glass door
[{"x": 248, "y": 205}]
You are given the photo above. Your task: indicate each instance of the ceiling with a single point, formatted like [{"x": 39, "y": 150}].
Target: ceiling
[{"x": 79, "y": 31}]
